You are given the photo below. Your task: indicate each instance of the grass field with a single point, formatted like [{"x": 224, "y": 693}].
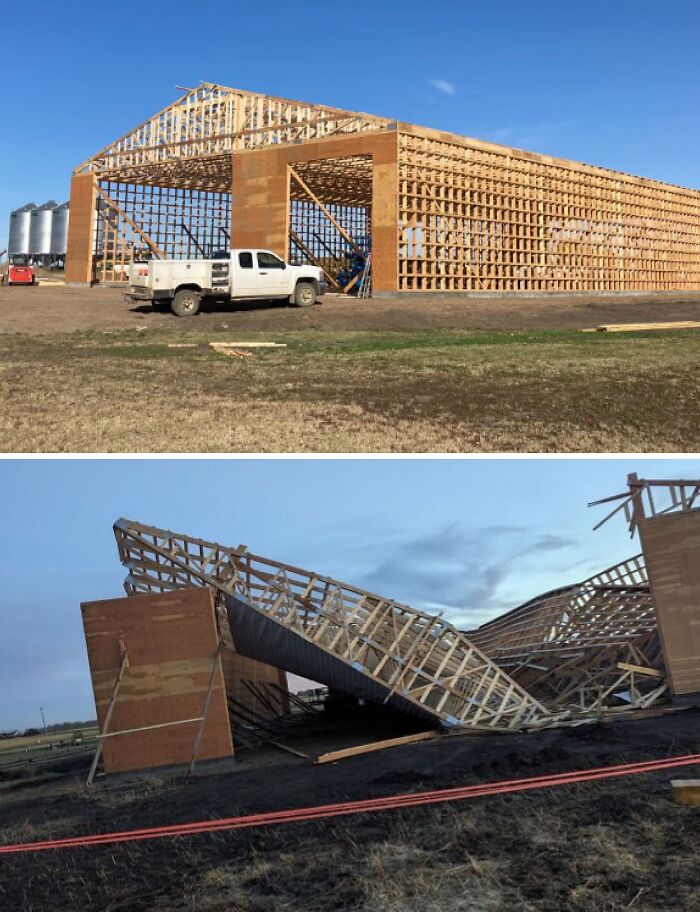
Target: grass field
[
  {"x": 379, "y": 391},
  {"x": 36, "y": 749}
]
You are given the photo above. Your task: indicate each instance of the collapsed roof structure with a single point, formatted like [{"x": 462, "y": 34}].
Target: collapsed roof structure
[
  {"x": 224, "y": 167},
  {"x": 593, "y": 648}
]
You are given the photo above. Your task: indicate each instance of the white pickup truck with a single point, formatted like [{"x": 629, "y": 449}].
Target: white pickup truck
[{"x": 241, "y": 275}]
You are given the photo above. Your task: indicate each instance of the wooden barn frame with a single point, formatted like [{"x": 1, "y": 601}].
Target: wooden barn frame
[
  {"x": 438, "y": 212},
  {"x": 581, "y": 652}
]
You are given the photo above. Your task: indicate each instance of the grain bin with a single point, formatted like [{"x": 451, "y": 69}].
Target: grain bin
[
  {"x": 40, "y": 229},
  {"x": 59, "y": 230},
  {"x": 18, "y": 241}
]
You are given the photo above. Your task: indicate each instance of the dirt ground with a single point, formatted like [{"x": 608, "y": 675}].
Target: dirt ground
[
  {"x": 49, "y": 309},
  {"x": 80, "y": 371},
  {"x": 613, "y": 845}
]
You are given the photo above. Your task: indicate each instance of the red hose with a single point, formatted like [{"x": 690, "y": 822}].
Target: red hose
[{"x": 320, "y": 812}]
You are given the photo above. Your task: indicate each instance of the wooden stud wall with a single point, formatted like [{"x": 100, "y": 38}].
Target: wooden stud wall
[
  {"x": 480, "y": 218},
  {"x": 139, "y": 222}
]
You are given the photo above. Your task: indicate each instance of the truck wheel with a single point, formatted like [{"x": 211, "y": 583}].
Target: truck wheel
[
  {"x": 304, "y": 294},
  {"x": 185, "y": 303}
]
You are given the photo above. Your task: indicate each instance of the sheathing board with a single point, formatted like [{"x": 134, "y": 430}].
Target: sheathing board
[
  {"x": 671, "y": 546},
  {"x": 172, "y": 645}
]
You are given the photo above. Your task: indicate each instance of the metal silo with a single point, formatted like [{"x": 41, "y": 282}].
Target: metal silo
[
  {"x": 59, "y": 230},
  {"x": 18, "y": 241},
  {"x": 40, "y": 229}
]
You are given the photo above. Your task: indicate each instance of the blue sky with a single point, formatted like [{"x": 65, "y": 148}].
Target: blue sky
[
  {"x": 469, "y": 537},
  {"x": 610, "y": 83}
]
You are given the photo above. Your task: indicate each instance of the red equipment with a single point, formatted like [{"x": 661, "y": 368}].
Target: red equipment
[{"x": 20, "y": 271}]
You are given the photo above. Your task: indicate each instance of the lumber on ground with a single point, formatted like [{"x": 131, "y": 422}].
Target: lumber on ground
[
  {"x": 332, "y": 756},
  {"x": 686, "y": 791},
  {"x": 643, "y": 327}
]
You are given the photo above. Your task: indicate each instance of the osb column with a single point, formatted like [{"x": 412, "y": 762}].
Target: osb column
[
  {"x": 260, "y": 202},
  {"x": 385, "y": 214},
  {"x": 671, "y": 546},
  {"x": 81, "y": 230}
]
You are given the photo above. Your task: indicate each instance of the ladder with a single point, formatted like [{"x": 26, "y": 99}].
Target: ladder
[{"x": 365, "y": 290}]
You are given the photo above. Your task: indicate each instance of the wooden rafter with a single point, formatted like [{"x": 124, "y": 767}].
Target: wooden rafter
[
  {"x": 324, "y": 209},
  {"x": 395, "y": 646}
]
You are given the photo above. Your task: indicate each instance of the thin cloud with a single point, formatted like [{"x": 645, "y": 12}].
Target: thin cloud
[
  {"x": 527, "y": 135},
  {"x": 442, "y": 85},
  {"x": 463, "y": 573}
]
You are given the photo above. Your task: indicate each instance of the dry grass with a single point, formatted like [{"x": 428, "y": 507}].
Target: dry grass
[
  {"x": 423, "y": 391},
  {"x": 557, "y": 853}
]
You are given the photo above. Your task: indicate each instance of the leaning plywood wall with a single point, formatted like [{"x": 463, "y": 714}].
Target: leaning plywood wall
[
  {"x": 172, "y": 644},
  {"x": 479, "y": 217},
  {"x": 671, "y": 547}
]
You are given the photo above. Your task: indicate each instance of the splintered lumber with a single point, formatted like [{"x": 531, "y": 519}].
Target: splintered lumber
[
  {"x": 332, "y": 756},
  {"x": 643, "y": 327},
  {"x": 686, "y": 791}
]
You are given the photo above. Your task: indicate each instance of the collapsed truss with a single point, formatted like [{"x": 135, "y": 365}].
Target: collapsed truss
[{"x": 583, "y": 649}]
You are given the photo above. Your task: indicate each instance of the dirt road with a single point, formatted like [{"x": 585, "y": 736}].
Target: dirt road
[{"x": 50, "y": 309}]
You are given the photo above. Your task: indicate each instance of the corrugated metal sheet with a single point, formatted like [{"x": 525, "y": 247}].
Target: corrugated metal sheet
[{"x": 259, "y": 637}]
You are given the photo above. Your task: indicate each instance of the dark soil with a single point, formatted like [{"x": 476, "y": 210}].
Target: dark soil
[
  {"x": 63, "y": 309},
  {"x": 612, "y": 845}
]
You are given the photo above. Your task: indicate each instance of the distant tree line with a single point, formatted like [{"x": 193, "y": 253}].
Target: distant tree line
[{"x": 56, "y": 727}]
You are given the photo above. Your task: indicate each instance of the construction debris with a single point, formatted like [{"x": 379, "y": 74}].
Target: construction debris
[
  {"x": 333, "y": 756},
  {"x": 572, "y": 654}
]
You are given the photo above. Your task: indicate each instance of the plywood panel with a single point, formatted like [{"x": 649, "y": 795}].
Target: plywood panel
[
  {"x": 172, "y": 643},
  {"x": 671, "y": 547},
  {"x": 81, "y": 228}
]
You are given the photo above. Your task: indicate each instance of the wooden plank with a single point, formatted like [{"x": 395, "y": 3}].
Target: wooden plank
[
  {"x": 686, "y": 791},
  {"x": 644, "y": 327},
  {"x": 641, "y": 669},
  {"x": 332, "y": 756},
  {"x": 110, "y": 709}
]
